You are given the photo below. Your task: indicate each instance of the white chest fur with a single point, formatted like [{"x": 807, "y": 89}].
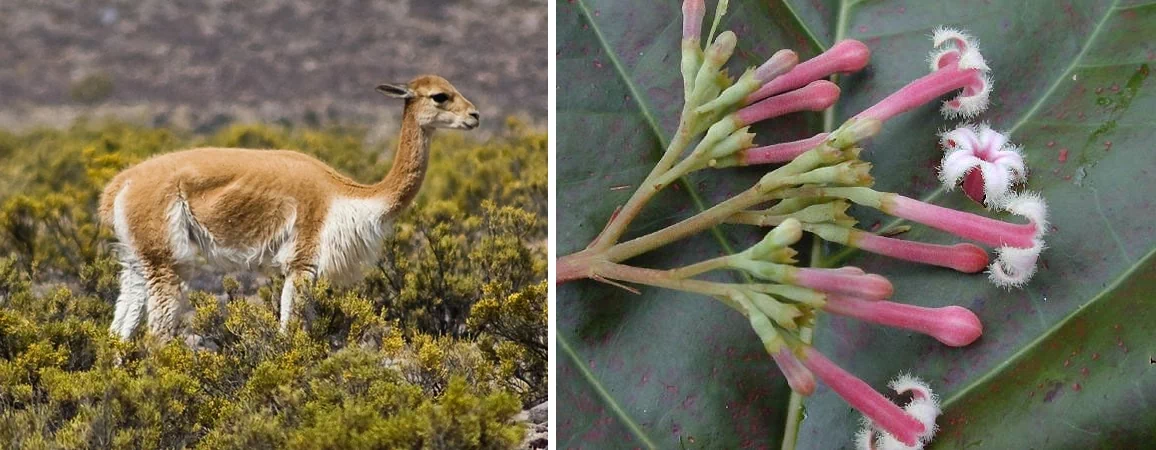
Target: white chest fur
[{"x": 351, "y": 237}]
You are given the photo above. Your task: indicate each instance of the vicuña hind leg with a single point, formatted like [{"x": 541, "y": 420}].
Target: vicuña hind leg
[
  {"x": 133, "y": 295},
  {"x": 165, "y": 302}
]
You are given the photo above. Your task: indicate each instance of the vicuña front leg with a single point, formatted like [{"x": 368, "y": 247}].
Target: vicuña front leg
[
  {"x": 133, "y": 295},
  {"x": 290, "y": 293}
]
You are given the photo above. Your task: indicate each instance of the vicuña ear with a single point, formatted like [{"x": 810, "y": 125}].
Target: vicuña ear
[{"x": 396, "y": 90}]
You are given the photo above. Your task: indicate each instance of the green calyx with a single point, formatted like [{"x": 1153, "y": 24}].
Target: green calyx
[{"x": 853, "y": 131}]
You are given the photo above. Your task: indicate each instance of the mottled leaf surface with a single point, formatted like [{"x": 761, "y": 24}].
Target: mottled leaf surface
[{"x": 1063, "y": 362}]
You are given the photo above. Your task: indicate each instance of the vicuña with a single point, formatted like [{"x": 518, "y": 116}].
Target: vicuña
[{"x": 248, "y": 209}]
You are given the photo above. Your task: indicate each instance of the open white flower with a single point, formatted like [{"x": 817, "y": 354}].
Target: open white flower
[{"x": 984, "y": 160}]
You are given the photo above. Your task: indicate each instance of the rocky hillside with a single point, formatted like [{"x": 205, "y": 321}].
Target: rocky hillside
[{"x": 200, "y": 64}]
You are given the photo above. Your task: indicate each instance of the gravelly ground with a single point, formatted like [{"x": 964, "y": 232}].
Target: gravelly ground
[{"x": 199, "y": 63}]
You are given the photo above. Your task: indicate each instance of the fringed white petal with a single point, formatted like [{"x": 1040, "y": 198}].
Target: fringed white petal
[
  {"x": 991, "y": 140},
  {"x": 1014, "y": 267},
  {"x": 972, "y": 59},
  {"x": 997, "y": 184},
  {"x": 964, "y": 136},
  {"x": 905, "y": 382},
  {"x": 968, "y": 47},
  {"x": 924, "y": 404},
  {"x": 1031, "y": 206},
  {"x": 957, "y": 38},
  {"x": 924, "y": 407},
  {"x": 968, "y": 105},
  {"x": 955, "y": 165},
  {"x": 939, "y": 59},
  {"x": 888, "y": 442},
  {"x": 865, "y": 438},
  {"x": 1011, "y": 157},
  {"x": 926, "y": 411}
]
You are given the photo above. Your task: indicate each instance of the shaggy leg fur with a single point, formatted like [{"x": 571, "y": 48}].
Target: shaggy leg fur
[
  {"x": 131, "y": 301},
  {"x": 165, "y": 302},
  {"x": 289, "y": 295}
]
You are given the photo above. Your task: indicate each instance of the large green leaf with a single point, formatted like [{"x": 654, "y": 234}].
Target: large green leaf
[{"x": 1063, "y": 362}]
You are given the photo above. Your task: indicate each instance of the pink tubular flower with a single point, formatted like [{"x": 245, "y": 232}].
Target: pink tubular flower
[
  {"x": 846, "y": 56},
  {"x": 930, "y": 87},
  {"x": 782, "y": 61},
  {"x": 779, "y": 153},
  {"x": 982, "y": 229},
  {"x": 817, "y": 96},
  {"x": 870, "y": 286},
  {"x": 692, "y": 13},
  {"x": 955, "y": 326},
  {"x": 966, "y": 258},
  {"x": 1019, "y": 245},
  {"x": 882, "y": 413},
  {"x": 959, "y": 67},
  {"x": 799, "y": 378},
  {"x": 924, "y": 406},
  {"x": 984, "y": 160}
]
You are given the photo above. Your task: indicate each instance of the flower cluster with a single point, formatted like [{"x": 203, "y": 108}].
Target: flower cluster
[{"x": 810, "y": 192}]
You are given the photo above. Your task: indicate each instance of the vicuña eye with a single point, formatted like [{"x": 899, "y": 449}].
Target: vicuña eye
[{"x": 439, "y": 98}]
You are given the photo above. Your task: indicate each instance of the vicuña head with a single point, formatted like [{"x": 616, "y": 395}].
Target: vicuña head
[
  {"x": 250, "y": 209},
  {"x": 437, "y": 103}
]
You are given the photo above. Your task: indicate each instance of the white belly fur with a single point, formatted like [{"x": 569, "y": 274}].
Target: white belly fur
[
  {"x": 189, "y": 238},
  {"x": 351, "y": 237}
]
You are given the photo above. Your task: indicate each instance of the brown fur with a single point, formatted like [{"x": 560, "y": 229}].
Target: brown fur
[{"x": 244, "y": 198}]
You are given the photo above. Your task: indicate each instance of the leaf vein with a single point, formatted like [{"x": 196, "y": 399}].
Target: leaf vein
[{"x": 615, "y": 408}]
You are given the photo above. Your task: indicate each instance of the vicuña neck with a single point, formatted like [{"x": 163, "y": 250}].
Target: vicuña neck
[{"x": 401, "y": 185}]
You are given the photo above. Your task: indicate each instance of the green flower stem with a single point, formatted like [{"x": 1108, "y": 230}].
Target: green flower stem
[
  {"x": 740, "y": 297},
  {"x": 701, "y": 267},
  {"x": 798, "y": 294},
  {"x": 719, "y": 11},
  {"x": 726, "y": 293},
  {"x": 617, "y": 225},
  {"x": 706, "y": 82},
  {"x": 701, "y": 221},
  {"x": 833, "y": 212}
]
